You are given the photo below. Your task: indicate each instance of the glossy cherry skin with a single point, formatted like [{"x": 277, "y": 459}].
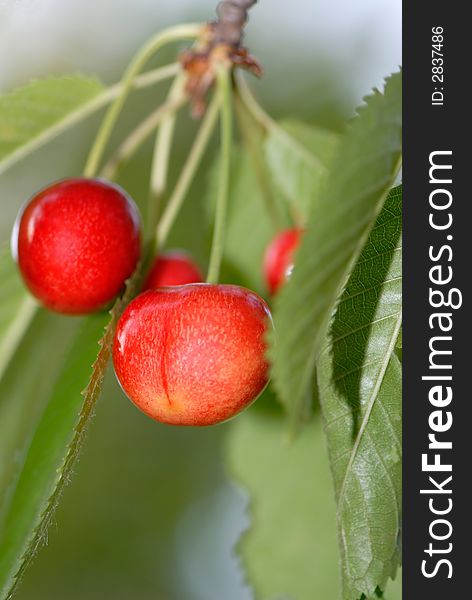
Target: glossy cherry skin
[
  {"x": 193, "y": 354},
  {"x": 172, "y": 268},
  {"x": 278, "y": 258},
  {"x": 76, "y": 242}
]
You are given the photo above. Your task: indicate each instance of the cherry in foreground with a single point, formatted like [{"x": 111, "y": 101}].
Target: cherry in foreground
[
  {"x": 76, "y": 242},
  {"x": 193, "y": 354},
  {"x": 278, "y": 258},
  {"x": 172, "y": 268}
]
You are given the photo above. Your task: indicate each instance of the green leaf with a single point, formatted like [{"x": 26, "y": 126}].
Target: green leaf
[
  {"x": 297, "y": 155},
  {"x": 17, "y": 309},
  {"x": 289, "y": 551},
  {"x": 29, "y": 504},
  {"x": 369, "y": 502},
  {"x": 37, "y": 112},
  {"x": 360, "y": 177},
  {"x": 26, "y": 386},
  {"x": 359, "y": 376},
  {"x": 55, "y": 445}
]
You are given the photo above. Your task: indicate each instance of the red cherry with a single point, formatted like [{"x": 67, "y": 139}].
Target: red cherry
[
  {"x": 172, "y": 268},
  {"x": 278, "y": 258},
  {"x": 193, "y": 354},
  {"x": 76, "y": 242}
]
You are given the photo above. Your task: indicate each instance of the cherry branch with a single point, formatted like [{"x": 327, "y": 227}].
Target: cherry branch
[{"x": 232, "y": 17}]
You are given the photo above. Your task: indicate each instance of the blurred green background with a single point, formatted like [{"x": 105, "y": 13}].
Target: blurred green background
[{"x": 151, "y": 513}]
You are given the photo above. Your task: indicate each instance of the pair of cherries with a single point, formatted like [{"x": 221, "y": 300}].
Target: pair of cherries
[{"x": 185, "y": 352}]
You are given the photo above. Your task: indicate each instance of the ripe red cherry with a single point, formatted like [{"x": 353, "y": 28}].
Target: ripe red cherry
[
  {"x": 76, "y": 242},
  {"x": 193, "y": 354},
  {"x": 278, "y": 258},
  {"x": 172, "y": 268}
]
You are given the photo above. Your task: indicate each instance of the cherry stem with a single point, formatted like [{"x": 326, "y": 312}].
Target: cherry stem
[
  {"x": 253, "y": 106},
  {"x": 271, "y": 127},
  {"x": 138, "y": 136},
  {"x": 180, "y": 32},
  {"x": 161, "y": 155},
  {"x": 252, "y": 142},
  {"x": 225, "y": 92},
  {"x": 188, "y": 172}
]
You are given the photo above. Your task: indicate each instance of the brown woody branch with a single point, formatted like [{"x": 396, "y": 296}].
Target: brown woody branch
[{"x": 232, "y": 17}]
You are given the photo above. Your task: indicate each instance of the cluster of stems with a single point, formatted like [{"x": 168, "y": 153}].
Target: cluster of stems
[{"x": 161, "y": 121}]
